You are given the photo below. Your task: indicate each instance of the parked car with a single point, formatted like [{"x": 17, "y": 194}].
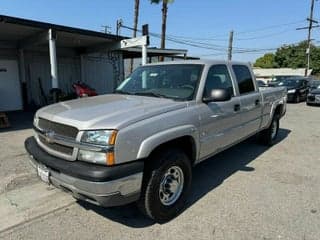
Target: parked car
[
  {"x": 313, "y": 84},
  {"x": 313, "y": 97},
  {"x": 277, "y": 79},
  {"x": 297, "y": 89},
  {"x": 140, "y": 143},
  {"x": 261, "y": 83}
]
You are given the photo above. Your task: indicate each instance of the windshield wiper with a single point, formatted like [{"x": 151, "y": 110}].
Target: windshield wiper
[{"x": 151, "y": 94}]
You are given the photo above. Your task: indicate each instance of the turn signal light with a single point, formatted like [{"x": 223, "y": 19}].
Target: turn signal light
[{"x": 110, "y": 158}]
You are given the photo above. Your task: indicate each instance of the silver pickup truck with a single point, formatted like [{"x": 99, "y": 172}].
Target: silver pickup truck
[{"x": 140, "y": 143}]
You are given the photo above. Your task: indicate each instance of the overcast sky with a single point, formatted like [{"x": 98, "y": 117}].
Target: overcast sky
[{"x": 259, "y": 26}]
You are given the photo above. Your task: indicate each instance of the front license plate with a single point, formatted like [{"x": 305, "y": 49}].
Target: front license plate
[{"x": 43, "y": 173}]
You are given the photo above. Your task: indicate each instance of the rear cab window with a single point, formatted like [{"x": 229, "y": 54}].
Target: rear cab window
[{"x": 244, "y": 79}]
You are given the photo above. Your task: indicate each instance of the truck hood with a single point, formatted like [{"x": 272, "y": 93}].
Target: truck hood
[{"x": 111, "y": 111}]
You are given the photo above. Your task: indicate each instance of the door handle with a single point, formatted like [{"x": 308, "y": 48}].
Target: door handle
[
  {"x": 236, "y": 107},
  {"x": 257, "y": 102}
]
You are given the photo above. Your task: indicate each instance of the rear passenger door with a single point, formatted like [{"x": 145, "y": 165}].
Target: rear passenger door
[{"x": 250, "y": 100}]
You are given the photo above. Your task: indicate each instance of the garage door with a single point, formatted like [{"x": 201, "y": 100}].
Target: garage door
[{"x": 10, "y": 92}]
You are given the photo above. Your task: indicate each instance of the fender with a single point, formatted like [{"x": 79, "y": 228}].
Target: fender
[
  {"x": 150, "y": 143},
  {"x": 273, "y": 109}
]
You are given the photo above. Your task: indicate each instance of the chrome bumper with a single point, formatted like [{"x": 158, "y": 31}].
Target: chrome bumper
[{"x": 112, "y": 193}]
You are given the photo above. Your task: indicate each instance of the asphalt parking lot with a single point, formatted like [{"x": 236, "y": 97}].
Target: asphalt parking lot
[{"x": 247, "y": 192}]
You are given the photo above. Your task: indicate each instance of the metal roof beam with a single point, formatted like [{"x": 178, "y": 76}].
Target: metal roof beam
[{"x": 36, "y": 40}]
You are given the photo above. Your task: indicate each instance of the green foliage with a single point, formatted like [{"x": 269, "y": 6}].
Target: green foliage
[
  {"x": 267, "y": 61},
  {"x": 291, "y": 56}
]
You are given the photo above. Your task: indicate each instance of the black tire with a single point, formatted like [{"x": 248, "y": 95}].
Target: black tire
[
  {"x": 267, "y": 136},
  {"x": 159, "y": 163}
]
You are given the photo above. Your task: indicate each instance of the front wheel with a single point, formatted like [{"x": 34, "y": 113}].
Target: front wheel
[
  {"x": 269, "y": 135},
  {"x": 166, "y": 184}
]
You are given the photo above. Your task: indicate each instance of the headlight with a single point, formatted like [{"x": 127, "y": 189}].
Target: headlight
[
  {"x": 103, "y": 138},
  {"x": 292, "y": 91},
  {"x": 97, "y": 157}
]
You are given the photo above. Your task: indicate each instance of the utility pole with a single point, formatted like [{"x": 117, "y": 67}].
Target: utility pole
[
  {"x": 135, "y": 26},
  {"x": 311, "y": 21},
  {"x": 310, "y": 27},
  {"x": 230, "y": 45},
  {"x": 106, "y": 27},
  {"x": 119, "y": 24}
]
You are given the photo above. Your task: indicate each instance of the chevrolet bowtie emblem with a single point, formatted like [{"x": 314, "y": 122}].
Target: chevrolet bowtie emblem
[{"x": 49, "y": 136}]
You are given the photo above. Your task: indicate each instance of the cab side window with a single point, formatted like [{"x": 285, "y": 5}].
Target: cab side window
[
  {"x": 218, "y": 78},
  {"x": 244, "y": 79}
]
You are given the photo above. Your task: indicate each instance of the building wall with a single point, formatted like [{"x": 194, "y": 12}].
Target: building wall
[
  {"x": 38, "y": 77},
  {"x": 102, "y": 71}
]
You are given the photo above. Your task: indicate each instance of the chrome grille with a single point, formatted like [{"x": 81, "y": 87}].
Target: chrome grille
[
  {"x": 56, "y": 147},
  {"x": 58, "y": 128}
]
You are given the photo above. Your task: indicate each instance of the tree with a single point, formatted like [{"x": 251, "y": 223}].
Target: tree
[
  {"x": 291, "y": 56},
  {"x": 164, "y": 20},
  {"x": 266, "y": 61},
  {"x": 135, "y": 25}
]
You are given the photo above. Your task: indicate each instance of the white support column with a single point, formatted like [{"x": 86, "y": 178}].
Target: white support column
[
  {"x": 53, "y": 59},
  {"x": 144, "y": 54}
]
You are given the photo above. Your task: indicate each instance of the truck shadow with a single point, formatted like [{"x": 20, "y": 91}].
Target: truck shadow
[{"x": 206, "y": 176}]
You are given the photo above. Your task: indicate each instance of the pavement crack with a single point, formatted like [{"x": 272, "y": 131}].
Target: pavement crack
[{"x": 12, "y": 203}]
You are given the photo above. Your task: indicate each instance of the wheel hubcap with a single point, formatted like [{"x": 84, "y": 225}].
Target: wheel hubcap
[
  {"x": 274, "y": 129},
  {"x": 171, "y": 186}
]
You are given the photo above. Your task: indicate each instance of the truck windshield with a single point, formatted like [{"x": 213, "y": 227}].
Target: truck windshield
[{"x": 175, "y": 81}]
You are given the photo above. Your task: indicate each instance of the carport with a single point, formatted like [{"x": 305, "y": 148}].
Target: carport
[{"x": 37, "y": 57}]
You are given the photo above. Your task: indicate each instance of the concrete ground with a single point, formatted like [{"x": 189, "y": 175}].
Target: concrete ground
[{"x": 247, "y": 192}]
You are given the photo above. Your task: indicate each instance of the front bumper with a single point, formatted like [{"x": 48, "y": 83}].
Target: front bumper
[
  {"x": 313, "y": 99},
  {"x": 291, "y": 97},
  {"x": 101, "y": 185}
]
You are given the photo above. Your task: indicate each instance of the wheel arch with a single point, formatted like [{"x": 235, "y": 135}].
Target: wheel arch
[{"x": 184, "y": 137}]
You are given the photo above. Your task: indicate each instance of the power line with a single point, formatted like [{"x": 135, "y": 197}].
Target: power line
[
  {"x": 265, "y": 36},
  {"x": 238, "y": 33},
  {"x": 218, "y": 48},
  {"x": 270, "y": 27}
]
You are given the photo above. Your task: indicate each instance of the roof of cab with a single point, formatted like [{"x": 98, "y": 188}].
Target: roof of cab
[{"x": 202, "y": 61}]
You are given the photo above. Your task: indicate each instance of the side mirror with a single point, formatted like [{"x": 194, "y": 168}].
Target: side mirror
[{"x": 217, "y": 95}]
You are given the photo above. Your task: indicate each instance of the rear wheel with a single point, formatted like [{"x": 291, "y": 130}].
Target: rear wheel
[
  {"x": 166, "y": 184},
  {"x": 269, "y": 135}
]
